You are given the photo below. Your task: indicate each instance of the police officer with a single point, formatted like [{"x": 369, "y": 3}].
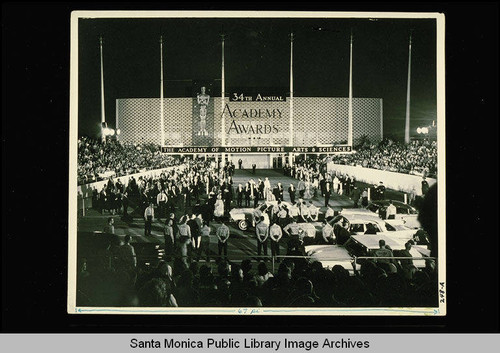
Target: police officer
[
  {"x": 293, "y": 231},
  {"x": 262, "y": 232},
  {"x": 205, "y": 242},
  {"x": 223, "y": 236},
  {"x": 149, "y": 215},
  {"x": 275, "y": 235}
]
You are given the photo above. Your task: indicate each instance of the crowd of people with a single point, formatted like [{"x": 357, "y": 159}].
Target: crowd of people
[
  {"x": 249, "y": 283},
  {"x": 98, "y": 160},
  {"x": 419, "y": 157}
]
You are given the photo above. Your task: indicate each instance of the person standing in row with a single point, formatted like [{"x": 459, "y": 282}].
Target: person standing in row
[
  {"x": 304, "y": 212},
  {"x": 291, "y": 192},
  {"x": 301, "y": 187},
  {"x": 161, "y": 200},
  {"x": 262, "y": 232},
  {"x": 149, "y": 216},
  {"x": 275, "y": 235},
  {"x": 329, "y": 213},
  {"x": 292, "y": 230},
  {"x": 168, "y": 233},
  {"x": 223, "y": 236},
  {"x": 195, "y": 232},
  {"x": 255, "y": 194},
  {"x": 327, "y": 194},
  {"x": 313, "y": 212},
  {"x": 239, "y": 195},
  {"x": 205, "y": 242},
  {"x": 184, "y": 236}
]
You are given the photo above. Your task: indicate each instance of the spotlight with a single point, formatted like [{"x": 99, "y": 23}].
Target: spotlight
[
  {"x": 111, "y": 132},
  {"x": 419, "y": 130},
  {"x": 118, "y": 131}
]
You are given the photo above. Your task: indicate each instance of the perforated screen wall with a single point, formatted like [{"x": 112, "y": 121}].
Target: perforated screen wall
[{"x": 316, "y": 121}]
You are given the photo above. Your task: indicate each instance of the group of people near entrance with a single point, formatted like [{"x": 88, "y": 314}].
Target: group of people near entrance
[{"x": 180, "y": 188}]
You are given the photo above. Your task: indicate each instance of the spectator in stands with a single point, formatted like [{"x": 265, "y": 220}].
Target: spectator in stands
[
  {"x": 99, "y": 160},
  {"x": 417, "y": 157}
]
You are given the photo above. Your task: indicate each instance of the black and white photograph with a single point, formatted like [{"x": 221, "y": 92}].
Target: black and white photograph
[{"x": 257, "y": 163}]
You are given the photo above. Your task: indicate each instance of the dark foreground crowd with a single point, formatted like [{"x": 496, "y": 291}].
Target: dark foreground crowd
[{"x": 294, "y": 283}]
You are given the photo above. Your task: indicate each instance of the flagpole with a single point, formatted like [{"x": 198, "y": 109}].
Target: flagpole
[
  {"x": 290, "y": 156},
  {"x": 223, "y": 95},
  {"x": 407, "y": 123},
  {"x": 103, "y": 114},
  {"x": 349, "y": 124},
  {"x": 162, "y": 118},
  {"x": 291, "y": 89}
]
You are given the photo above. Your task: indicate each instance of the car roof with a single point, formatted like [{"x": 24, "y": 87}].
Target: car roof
[
  {"x": 326, "y": 249},
  {"x": 361, "y": 218},
  {"x": 394, "y": 202},
  {"x": 371, "y": 241}
]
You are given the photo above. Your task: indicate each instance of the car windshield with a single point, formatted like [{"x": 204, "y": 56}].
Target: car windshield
[
  {"x": 372, "y": 207},
  {"x": 389, "y": 227},
  {"x": 354, "y": 248},
  {"x": 358, "y": 227},
  {"x": 401, "y": 210}
]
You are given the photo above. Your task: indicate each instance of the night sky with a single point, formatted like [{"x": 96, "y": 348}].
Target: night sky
[{"x": 257, "y": 55}]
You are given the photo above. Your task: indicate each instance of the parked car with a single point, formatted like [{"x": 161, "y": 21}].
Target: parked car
[
  {"x": 404, "y": 212},
  {"x": 359, "y": 224},
  {"x": 330, "y": 256},
  {"x": 363, "y": 245},
  {"x": 244, "y": 218}
]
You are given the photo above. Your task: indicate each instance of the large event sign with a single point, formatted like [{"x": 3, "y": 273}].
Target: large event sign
[{"x": 257, "y": 149}]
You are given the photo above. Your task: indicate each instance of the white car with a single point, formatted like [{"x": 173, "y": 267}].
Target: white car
[
  {"x": 404, "y": 212},
  {"x": 244, "y": 217},
  {"x": 362, "y": 245},
  {"x": 369, "y": 224},
  {"x": 331, "y": 255}
]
